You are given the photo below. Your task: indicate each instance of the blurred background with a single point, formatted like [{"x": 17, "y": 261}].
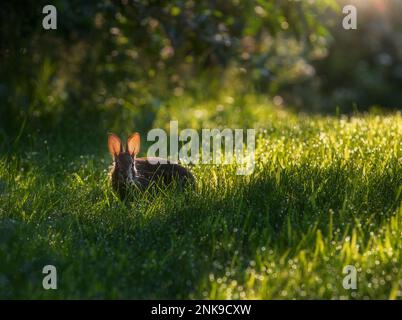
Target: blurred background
[{"x": 119, "y": 65}]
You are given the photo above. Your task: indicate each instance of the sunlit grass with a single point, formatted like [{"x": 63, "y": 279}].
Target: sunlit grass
[{"x": 325, "y": 193}]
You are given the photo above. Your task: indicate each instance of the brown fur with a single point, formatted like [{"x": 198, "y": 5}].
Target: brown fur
[{"x": 129, "y": 172}]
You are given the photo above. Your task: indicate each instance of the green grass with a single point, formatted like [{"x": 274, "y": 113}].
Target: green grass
[{"x": 325, "y": 193}]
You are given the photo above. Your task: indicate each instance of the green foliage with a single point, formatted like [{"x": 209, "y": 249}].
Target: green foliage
[
  {"x": 120, "y": 54},
  {"x": 107, "y": 57},
  {"x": 363, "y": 67}
]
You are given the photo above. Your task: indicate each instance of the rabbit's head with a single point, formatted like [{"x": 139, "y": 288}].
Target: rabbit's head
[{"x": 123, "y": 170}]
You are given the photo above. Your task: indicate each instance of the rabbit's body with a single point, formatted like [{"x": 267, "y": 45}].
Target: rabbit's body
[
  {"x": 151, "y": 169},
  {"x": 129, "y": 172}
]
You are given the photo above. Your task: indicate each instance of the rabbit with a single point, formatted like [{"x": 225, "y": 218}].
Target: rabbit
[{"x": 128, "y": 172}]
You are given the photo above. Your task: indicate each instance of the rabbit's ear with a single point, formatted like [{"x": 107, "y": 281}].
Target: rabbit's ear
[
  {"x": 133, "y": 144},
  {"x": 114, "y": 144}
]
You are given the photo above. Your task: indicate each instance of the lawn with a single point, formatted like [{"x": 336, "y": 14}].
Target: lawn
[{"x": 325, "y": 193}]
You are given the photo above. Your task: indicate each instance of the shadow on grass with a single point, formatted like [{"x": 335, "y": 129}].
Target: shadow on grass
[
  {"x": 166, "y": 245},
  {"x": 163, "y": 247}
]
